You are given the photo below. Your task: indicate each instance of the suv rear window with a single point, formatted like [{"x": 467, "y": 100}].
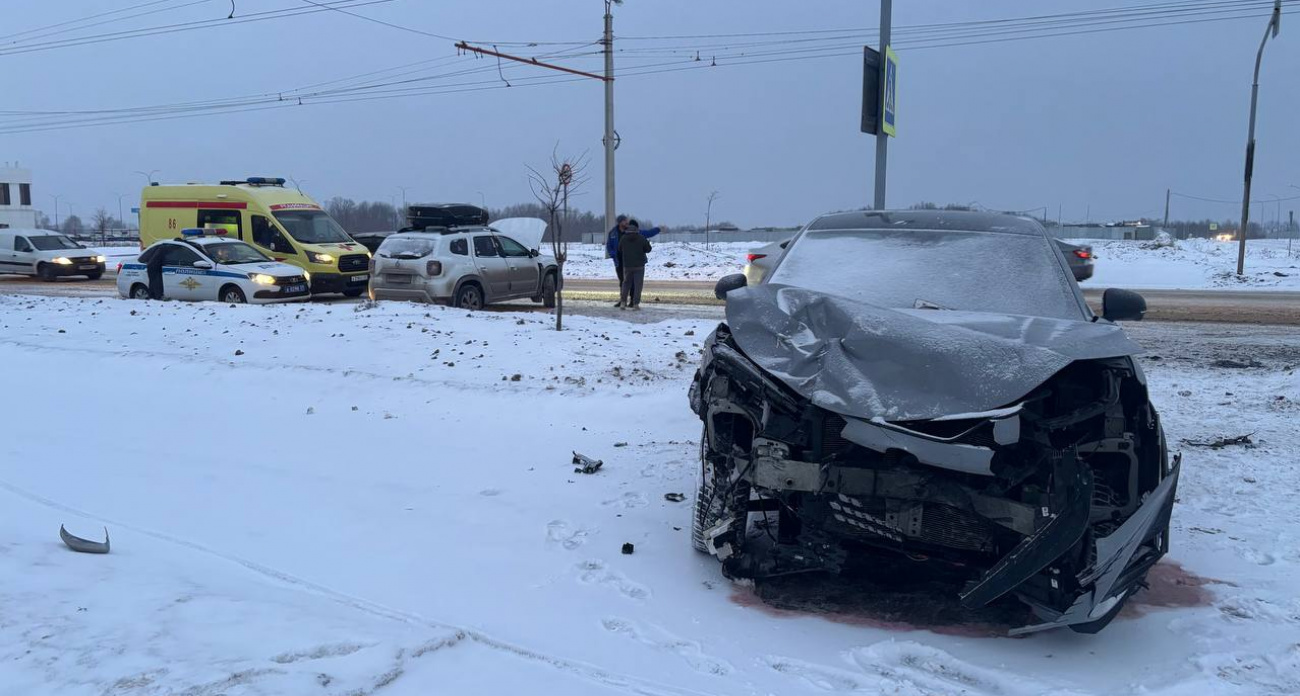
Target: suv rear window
[
  {"x": 407, "y": 248},
  {"x": 460, "y": 247}
]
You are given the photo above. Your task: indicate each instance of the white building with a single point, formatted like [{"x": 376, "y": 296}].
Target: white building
[{"x": 16, "y": 197}]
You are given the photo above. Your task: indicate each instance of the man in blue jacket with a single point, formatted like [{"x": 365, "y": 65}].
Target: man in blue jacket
[{"x": 611, "y": 246}]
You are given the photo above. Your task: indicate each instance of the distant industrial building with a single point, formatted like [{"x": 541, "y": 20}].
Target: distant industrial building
[
  {"x": 16, "y": 197},
  {"x": 1135, "y": 231}
]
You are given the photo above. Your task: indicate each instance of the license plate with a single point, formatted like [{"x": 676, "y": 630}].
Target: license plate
[
  {"x": 359, "y": 278},
  {"x": 295, "y": 288},
  {"x": 88, "y": 267},
  {"x": 401, "y": 279}
]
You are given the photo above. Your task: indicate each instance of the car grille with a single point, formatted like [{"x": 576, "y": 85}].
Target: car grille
[
  {"x": 82, "y": 259},
  {"x": 833, "y": 441},
  {"x": 354, "y": 262},
  {"x": 291, "y": 280}
]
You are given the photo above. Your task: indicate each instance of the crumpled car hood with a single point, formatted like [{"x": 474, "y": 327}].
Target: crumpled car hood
[{"x": 899, "y": 365}]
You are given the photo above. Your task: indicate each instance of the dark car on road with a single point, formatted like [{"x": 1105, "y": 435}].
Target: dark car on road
[
  {"x": 930, "y": 386},
  {"x": 1080, "y": 258}
]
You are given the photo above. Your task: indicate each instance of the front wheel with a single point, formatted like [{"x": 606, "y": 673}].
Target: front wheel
[
  {"x": 353, "y": 292},
  {"x": 233, "y": 295},
  {"x": 46, "y": 272},
  {"x": 715, "y": 498},
  {"x": 96, "y": 275},
  {"x": 139, "y": 292},
  {"x": 549, "y": 286},
  {"x": 470, "y": 297}
]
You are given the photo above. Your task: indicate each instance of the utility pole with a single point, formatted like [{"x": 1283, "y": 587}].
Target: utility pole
[
  {"x": 882, "y": 138},
  {"x": 1274, "y": 26},
  {"x": 1167, "y": 193},
  {"x": 611, "y": 209},
  {"x": 56, "y": 211}
]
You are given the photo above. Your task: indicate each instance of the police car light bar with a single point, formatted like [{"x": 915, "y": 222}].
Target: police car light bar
[{"x": 204, "y": 231}]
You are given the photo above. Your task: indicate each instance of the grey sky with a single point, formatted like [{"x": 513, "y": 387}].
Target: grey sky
[{"x": 1104, "y": 120}]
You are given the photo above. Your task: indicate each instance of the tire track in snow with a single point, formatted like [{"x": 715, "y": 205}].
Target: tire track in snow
[{"x": 589, "y": 672}]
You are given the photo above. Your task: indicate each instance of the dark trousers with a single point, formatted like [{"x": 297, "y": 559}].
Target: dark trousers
[
  {"x": 633, "y": 281},
  {"x": 618, "y": 271},
  {"x": 155, "y": 284}
]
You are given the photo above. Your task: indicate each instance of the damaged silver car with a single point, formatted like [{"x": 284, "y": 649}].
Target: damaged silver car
[{"x": 932, "y": 385}]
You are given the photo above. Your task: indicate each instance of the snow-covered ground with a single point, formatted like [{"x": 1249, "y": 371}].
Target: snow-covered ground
[
  {"x": 363, "y": 499},
  {"x": 1194, "y": 264},
  {"x": 668, "y": 260}
]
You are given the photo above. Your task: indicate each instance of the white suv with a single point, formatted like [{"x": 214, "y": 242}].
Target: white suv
[{"x": 467, "y": 267}]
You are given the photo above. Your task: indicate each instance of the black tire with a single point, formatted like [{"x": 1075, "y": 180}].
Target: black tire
[
  {"x": 96, "y": 275},
  {"x": 549, "y": 285},
  {"x": 715, "y": 497},
  {"x": 353, "y": 292},
  {"x": 139, "y": 291},
  {"x": 231, "y": 294},
  {"x": 46, "y": 273},
  {"x": 470, "y": 296}
]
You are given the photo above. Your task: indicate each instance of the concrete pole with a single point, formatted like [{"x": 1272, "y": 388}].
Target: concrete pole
[
  {"x": 611, "y": 211},
  {"x": 1273, "y": 26},
  {"x": 882, "y": 140},
  {"x": 1167, "y": 193}
]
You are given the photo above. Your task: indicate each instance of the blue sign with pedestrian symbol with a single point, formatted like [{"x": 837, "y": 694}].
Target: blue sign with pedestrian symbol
[{"x": 888, "y": 119}]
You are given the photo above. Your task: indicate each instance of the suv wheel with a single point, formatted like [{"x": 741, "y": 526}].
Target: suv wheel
[
  {"x": 469, "y": 296},
  {"x": 46, "y": 272},
  {"x": 548, "y": 291}
]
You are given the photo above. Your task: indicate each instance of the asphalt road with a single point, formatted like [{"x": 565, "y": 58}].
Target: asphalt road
[{"x": 1229, "y": 306}]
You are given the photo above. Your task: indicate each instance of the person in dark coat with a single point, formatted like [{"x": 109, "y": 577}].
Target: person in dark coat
[
  {"x": 611, "y": 246},
  {"x": 632, "y": 249},
  {"x": 155, "y": 270}
]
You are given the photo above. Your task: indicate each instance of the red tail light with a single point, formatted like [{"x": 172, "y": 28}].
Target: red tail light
[
  {"x": 1083, "y": 253},
  {"x": 754, "y": 257},
  {"x": 433, "y": 268},
  {"x": 119, "y": 268}
]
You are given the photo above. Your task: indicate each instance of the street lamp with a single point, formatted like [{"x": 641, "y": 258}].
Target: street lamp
[
  {"x": 121, "y": 219},
  {"x": 56, "y": 210},
  {"x": 1274, "y": 26},
  {"x": 148, "y": 176},
  {"x": 482, "y": 199},
  {"x": 708, "y": 217}
]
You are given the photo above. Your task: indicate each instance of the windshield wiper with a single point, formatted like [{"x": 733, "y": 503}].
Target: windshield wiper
[{"x": 926, "y": 304}]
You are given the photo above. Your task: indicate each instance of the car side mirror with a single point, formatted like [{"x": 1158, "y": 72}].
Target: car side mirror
[
  {"x": 1122, "y": 305},
  {"x": 203, "y": 264},
  {"x": 727, "y": 283},
  {"x": 534, "y": 253}
]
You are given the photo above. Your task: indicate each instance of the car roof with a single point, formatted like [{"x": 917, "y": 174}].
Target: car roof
[
  {"x": 955, "y": 220},
  {"x": 439, "y": 232}
]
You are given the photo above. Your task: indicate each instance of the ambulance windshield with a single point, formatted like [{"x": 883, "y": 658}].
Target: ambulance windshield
[{"x": 311, "y": 226}]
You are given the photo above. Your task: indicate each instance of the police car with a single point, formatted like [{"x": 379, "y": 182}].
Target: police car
[{"x": 203, "y": 264}]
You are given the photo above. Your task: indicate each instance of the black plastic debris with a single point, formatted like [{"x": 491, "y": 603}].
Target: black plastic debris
[
  {"x": 627, "y": 549},
  {"x": 585, "y": 464},
  {"x": 1242, "y": 440},
  {"x": 674, "y": 497},
  {"x": 80, "y": 545}
]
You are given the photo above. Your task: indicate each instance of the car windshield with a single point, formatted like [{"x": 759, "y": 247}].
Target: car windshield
[
  {"x": 234, "y": 253},
  {"x": 311, "y": 226},
  {"x": 53, "y": 242},
  {"x": 406, "y": 248},
  {"x": 934, "y": 270}
]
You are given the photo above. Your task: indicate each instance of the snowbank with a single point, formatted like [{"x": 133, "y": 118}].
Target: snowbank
[
  {"x": 668, "y": 260},
  {"x": 358, "y": 499}
]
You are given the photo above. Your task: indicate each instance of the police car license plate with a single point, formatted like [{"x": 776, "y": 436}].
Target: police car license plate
[
  {"x": 87, "y": 267},
  {"x": 300, "y": 287}
]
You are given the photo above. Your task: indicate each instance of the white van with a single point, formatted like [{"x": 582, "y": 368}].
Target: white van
[{"x": 47, "y": 254}]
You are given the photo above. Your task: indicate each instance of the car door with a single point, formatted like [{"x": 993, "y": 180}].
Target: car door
[
  {"x": 492, "y": 266},
  {"x": 181, "y": 280},
  {"x": 22, "y": 256},
  {"x": 523, "y": 269}
]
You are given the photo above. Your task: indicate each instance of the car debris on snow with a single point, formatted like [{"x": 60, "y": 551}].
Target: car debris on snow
[
  {"x": 80, "y": 545},
  {"x": 674, "y": 497},
  {"x": 1242, "y": 440},
  {"x": 585, "y": 464}
]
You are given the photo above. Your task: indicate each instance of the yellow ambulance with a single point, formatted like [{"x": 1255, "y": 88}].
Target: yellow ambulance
[{"x": 281, "y": 222}]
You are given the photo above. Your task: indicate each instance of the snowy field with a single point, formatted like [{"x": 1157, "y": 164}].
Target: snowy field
[
  {"x": 364, "y": 499},
  {"x": 1193, "y": 264}
]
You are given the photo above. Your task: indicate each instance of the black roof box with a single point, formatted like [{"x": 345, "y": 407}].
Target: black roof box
[{"x": 445, "y": 215}]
